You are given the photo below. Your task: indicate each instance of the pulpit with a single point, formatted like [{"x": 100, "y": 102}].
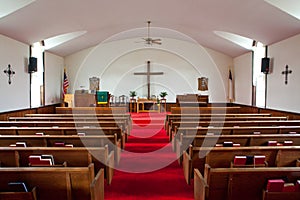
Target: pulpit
[{"x": 83, "y": 98}]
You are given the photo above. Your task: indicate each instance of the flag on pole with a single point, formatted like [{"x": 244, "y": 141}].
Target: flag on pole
[
  {"x": 65, "y": 84},
  {"x": 230, "y": 88}
]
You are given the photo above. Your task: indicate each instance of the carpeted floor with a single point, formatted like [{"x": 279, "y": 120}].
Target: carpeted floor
[{"x": 148, "y": 168}]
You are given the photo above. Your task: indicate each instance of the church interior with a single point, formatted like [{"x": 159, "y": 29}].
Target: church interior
[{"x": 150, "y": 100}]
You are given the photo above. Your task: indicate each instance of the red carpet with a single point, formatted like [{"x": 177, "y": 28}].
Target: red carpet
[{"x": 148, "y": 168}]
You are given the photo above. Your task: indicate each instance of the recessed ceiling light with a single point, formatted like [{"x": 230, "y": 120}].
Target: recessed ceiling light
[
  {"x": 291, "y": 7},
  {"x": 60, "y": 39},
  {"x": 9, "y": 6}
]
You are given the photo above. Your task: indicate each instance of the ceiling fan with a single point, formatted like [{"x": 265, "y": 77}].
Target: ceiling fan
[{"x": 150, "y": 40}]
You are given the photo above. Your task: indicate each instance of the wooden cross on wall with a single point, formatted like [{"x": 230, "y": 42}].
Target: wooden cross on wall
[
  {"x": 148, "y": 74},
  {"x": 286, "y": 73},
  {"x": 9, "y": 72}
]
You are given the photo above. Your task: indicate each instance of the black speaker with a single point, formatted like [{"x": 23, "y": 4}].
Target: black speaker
[
  {"x": 32, "y": 67},
  {"x": 265, "y": 65}
]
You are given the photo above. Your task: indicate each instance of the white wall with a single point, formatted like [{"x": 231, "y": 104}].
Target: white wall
[
  {"x": 53, "y": 78},
  {"x": 182, "y": 63},
  {"x": 242, "y": 78},
  {"x": 281, "y": 96},
  {"x": 16, "y": 95}
]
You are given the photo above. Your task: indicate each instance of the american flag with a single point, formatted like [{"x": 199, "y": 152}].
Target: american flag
[{"x": 65, "y": 84}]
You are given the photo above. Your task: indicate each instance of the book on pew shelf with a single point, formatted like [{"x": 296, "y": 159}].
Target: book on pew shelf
[
  {"x": 40, "y": 133},
  {"x": 55, "y": 126},
  {"x": 228, "y": 144},
  {"x": 256, "y": 133},
  {"x": 21, "y": 144},
  {"x": 59, "y": 144},
  {"x": 288, "y": 143},
  {"x": 48, "y": 157},
  {"x": 17, "y": 187},
  {"x": 81, "y": 134},
  {"x": 239, "y": 160},
  {"x": 249, "y": 160},
  {"x": 69, "y": 145},
  {"x": 12, "y": 145},
  {"x": 289, "y": 187},
  {"x": 236, "y": 145},
  {"x": 272, "y": 143},
  {"x": 297, "y": 186},
  {"x": 41, "y": 160},
  {"x": 275, "y": 185},
  {"x": 292, "y": 132},
  {"x": 259, "y": 160},
  {"x": 210, "y": 134},
  {"x": 219, "y": 145}
]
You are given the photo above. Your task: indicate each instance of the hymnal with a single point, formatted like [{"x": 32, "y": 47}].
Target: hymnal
[
  {"x": 288, "y": 143},
  {"x": 249, "y": 160},
  {"x": 21, "y": 144},
  {"x": 81, "y": 134},
  {"x": 239, "y": 160},
  {"x": 17, "y": 187},
  {"x": 272, "y": 143},
  {"x": 59, "y": 144},
  {"x": 40, "y": 133},
  {"x": 289, "y": 187},
  {"x": 297, "y": 186},
  {"x": 228, "y": 144},
  {"x": 69, "y": 145},
  {"x": 41, "y": 160},
  {"x": 256, "y": 133},
  {"x": 275, "y": 185},
  {"x": 236, "y": 145},
  {"x": 259, "y": 160}
]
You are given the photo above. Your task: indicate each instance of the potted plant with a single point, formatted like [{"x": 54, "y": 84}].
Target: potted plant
[
  {"x": 132, "y": 94},
  {"x": 163, "y": 95}
]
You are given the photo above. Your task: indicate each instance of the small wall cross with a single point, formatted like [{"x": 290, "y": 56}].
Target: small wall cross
[
  {"x": 286, "y": 73},
  {"x": 9, "y": 72}
]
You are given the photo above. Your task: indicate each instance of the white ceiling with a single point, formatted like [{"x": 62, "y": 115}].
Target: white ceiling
[{"x": 105, "y": 19}]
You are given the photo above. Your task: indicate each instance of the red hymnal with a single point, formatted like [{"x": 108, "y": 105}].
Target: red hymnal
[
  {"x": 239, "y": 160},
  {"x": 289, "y": 187},
  {"x": 59, "y": 144},
  {"x": 259, "y": 160},
  {"x": 297, "y": 186},
  {"x": 275, "y": 185},
  {"x": 272, "y": 143}
]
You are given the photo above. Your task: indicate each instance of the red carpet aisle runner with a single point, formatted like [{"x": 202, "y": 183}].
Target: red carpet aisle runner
[{"x": 148, "y": 168}]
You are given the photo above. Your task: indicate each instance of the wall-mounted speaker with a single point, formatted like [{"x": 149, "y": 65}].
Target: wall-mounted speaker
[
  {"x": 265, "y": 65},
  {"x": 32, "y": 67}
]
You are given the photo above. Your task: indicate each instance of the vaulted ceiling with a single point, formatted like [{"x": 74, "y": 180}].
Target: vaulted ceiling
[{"x": 98, "y": 20}]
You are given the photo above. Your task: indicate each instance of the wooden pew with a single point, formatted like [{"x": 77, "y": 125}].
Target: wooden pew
[
  {"x": 239, "y": 183},
  {"x": 200, "y": 123},
  {"x": 114, "y": 144},
  {"x": 206, "y": 110},
  {"x": 31, "y": 123},
  {"x": 65, "y": 131},
  {"x": 197, "y": 157},
  {"x": 236, "y": 130},
  {"x": 72, "y": 157},
  {"x": 184, "y": 142},
  {"x": 91, "y": 110},
  {"x": 70, "y": 183},
  {"x": 218, "y": 118}
]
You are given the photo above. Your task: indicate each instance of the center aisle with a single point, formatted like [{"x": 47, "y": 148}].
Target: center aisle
[{"x": 148, "y": 168}]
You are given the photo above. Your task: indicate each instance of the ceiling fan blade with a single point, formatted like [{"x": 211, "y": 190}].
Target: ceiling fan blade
[
  {"x": 157, "y": 42},
  {"x": 158, "y": 39}
]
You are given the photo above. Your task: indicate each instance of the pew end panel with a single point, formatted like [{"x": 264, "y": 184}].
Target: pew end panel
[
  {"x": 97, "y": 186},
  {"x": 200, "y": 186}
]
